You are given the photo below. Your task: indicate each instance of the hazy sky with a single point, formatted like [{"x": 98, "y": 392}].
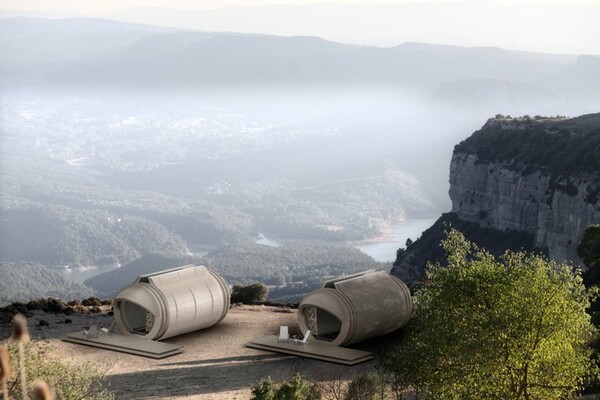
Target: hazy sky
[
  {"x": 107, "y": 6},
  {"x": 552, "y": 26}
]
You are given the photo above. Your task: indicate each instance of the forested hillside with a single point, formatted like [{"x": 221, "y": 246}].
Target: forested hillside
[
  {"x": 56, "y": 235},
  {"x": 24, "y": 281},
  {"x": 293, "y": 268}
]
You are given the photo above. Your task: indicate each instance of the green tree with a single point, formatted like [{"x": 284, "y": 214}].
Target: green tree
[
  {"x": 251, "y": 294},
  {"x": 589, "y": 252},
  {"x": 487, "y": 328}
]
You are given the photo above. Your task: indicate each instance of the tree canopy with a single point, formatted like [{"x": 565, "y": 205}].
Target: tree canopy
[
  {"x": 515, "y": 327},
  {"x": 589, "y": 252}
]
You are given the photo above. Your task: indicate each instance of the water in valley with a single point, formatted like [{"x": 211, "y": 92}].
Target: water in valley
[{"x": 384, "y": 248}]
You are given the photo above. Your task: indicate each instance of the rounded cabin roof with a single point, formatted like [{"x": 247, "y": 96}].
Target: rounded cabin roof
[
  {"x": 355, "y": 308},
  {"x": 172, "y": 302}
]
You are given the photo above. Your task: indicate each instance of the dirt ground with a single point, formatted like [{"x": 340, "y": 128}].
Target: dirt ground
[{"x": 214, "y": 365}]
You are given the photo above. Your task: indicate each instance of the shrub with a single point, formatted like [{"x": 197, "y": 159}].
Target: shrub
[
  {"x": 365, "y": 387},
  {"x": 92, "y": 301},
  {"x": 70, "y": 382},
  {"x": 296, "y": 388},
  {"x": 251, "y": 294},
  {"x": 263, "y": 390}
]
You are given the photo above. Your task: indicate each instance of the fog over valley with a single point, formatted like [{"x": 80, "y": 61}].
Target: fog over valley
[{"x": 128, "y": 148}]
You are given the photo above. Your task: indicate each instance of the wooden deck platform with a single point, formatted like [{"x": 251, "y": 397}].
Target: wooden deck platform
[
  {"x": 131, "y": 344},
  {"x": 312, "y": 349}
]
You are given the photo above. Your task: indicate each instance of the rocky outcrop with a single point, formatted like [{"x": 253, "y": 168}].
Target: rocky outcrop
[
  {"x": 410, "y": 263},
  {"x": 538, "y": 178},
  {"x": 492, "y": 195}
]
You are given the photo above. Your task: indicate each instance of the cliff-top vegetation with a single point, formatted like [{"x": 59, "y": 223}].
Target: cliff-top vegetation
[{"x": 563, "y": 148}]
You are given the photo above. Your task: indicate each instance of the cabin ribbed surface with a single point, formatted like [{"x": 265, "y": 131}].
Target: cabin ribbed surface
[
  {"x": 355, "y": 308},
  {"x": 180, "y": 300}
]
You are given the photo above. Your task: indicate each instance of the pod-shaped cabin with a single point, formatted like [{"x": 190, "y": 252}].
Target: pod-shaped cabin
[
  {"x": 355, "y": 308},
  {"x": 172, "y": 302}
]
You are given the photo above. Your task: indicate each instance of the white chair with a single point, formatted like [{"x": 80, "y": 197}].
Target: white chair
[
  {"x": 284, "y": 334},
  {"x": 108, "y": 330},
  {"x": 304, "y": 340}
]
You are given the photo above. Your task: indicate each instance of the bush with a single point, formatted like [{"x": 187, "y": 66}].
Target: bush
[
  {"x": 92, "y": 301},
  {"x": 251, "y": 294},
  {"x": 365, "y": 387},
  {"x": 70, "y": 382},
  {"x": 263, "y": 390},
  {"x": 296, "y": 388}
]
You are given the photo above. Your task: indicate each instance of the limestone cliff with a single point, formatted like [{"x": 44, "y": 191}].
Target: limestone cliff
[{"x": 537, "y": 180}]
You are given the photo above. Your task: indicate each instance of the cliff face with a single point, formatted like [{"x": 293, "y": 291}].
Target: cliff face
[
  {"x": 493, "y": 196},
  {"x": 538, "y": 178}
]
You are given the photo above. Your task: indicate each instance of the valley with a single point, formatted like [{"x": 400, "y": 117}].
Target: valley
[
  {"x": 113, "y": 184},
  {"x": 143, "y": 147}
]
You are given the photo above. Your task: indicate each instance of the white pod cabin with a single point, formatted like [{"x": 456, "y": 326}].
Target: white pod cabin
[
  {"x": 172, "y": 302},
  {"x": 355, "y": 308}
]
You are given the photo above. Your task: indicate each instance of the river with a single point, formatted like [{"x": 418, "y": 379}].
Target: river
[
  {"x": 384, "y": 248},
  {"x": 381, "y": 249},
  {"x": 79, "y": 275}
]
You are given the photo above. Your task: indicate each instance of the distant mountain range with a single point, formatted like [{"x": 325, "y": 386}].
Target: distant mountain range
[
  {"x": 466, "y": 23},
  {"x": 104, "y": 53},
  {"x": 96, "y": 51},
  {"x": 32, "y": 42},
  {"x": 554, "y": 28}
]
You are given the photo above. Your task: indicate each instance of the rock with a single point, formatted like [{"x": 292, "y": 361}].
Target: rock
[
  {"x": 492, "y": 195},
  {"x": 518, "y": 183},
  {"x": 43, "y": 323}
]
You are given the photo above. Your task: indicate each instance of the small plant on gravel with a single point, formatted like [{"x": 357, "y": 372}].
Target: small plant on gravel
[
  {"x": 296, "y": 388},
  {"x": 263, "y": 390}
]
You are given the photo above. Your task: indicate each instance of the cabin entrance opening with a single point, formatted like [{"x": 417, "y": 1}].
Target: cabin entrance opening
[
  {"x": 137, "y": 319},
  {"x": 323, "y": 325}
]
